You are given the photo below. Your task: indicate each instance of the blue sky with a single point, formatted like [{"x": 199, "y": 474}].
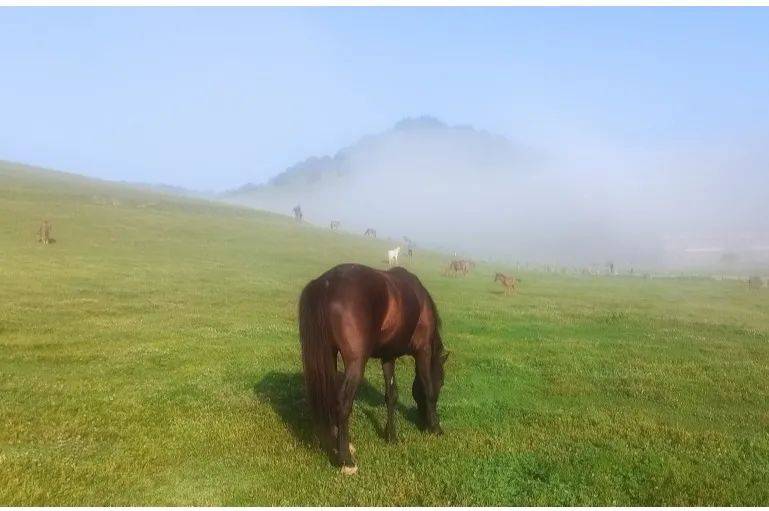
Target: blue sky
[{"x": 213, "y": 98}]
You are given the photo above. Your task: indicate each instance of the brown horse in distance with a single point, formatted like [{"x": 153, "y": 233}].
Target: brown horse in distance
[
  {"x": 459, "y": 266},
  {"x": 363, "y": 313},
  {"x": 44, "y": 233},
  {"x": 509, "y": 283}
]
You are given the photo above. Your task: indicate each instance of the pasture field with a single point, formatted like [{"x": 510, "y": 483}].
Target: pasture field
[{"x": 150, "y": 357}]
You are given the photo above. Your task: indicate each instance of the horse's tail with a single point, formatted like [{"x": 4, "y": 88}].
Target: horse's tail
[{"x": 317, "y": 356}]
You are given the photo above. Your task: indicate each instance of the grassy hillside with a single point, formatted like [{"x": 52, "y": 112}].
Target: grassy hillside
[{"x": 150, "y": 356}]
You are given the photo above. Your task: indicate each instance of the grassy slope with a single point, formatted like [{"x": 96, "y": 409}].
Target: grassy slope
[{"x": 150, "y": 356}]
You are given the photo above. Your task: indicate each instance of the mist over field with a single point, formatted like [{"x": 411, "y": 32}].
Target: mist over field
[
  {"x": 553, "y": 136},
  {"x": 585, "y": 204}
]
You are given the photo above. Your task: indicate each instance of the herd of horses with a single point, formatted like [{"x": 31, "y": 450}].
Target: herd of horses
[
  {"x": 353, "y": 313},
  {"x": 333, "y": 225},
  {"x": 455, "y": 267}
]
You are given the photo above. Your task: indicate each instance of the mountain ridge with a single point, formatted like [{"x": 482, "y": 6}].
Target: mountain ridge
[{"x": 315, "y": 169}]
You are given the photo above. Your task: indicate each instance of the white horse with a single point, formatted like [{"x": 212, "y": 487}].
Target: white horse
[{"x": 392, "y": 256}]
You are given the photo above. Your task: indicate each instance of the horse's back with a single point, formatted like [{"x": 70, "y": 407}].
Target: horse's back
[
  {"x": 353, "y": 289},
  {"x": 381, "y": 308}
]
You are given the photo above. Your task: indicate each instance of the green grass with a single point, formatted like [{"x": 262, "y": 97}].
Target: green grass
[{"x": 150, "y": 356}]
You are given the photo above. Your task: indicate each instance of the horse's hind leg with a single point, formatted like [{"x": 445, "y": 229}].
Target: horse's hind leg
[
  {"x": 391, "y": 397},
  {"x": 353, "y": 374}
]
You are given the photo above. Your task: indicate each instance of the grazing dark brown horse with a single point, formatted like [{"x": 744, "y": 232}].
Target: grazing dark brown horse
[{"x": 363, "y": 313}]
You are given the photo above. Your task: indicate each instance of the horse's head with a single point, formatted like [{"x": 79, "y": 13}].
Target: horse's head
[{"x": 497, "y": 277}]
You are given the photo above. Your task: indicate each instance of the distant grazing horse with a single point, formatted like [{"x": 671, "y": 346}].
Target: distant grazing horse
[
  {"x": 509, "y": 283},
  {"x": 297, "y": 213},
  {"x": 335, "y": 224},
  {"x": 365, "y": 313},
  {"x": 456, "y": 267},
  {"x": 44, "y": 233},
  {"x": 410, "y": 245},
  {"x": 755, "y": 282},
  {"x": 370, "y": 232},
  {"x": 392, "y": 256}
]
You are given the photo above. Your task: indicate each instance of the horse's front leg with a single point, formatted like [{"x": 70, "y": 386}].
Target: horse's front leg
[
  {"x": 430, "y": 400},
  {"x": 419, "y": 399},
  {"x": 391, "y": 397},
  {"x": 353, "y": 374}
]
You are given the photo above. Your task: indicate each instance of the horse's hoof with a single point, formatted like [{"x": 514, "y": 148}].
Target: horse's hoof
[
  {"x": 436, "y": 430},
  {"x": 349, "y": 471}
]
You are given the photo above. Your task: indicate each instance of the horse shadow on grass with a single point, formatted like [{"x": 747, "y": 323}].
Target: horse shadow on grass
[{"x": 284, "y": 392}]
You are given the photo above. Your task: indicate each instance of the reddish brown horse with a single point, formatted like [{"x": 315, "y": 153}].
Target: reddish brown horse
[
  {"x": 365, "y": 313},
  {"x": 509, "y": 283}
]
